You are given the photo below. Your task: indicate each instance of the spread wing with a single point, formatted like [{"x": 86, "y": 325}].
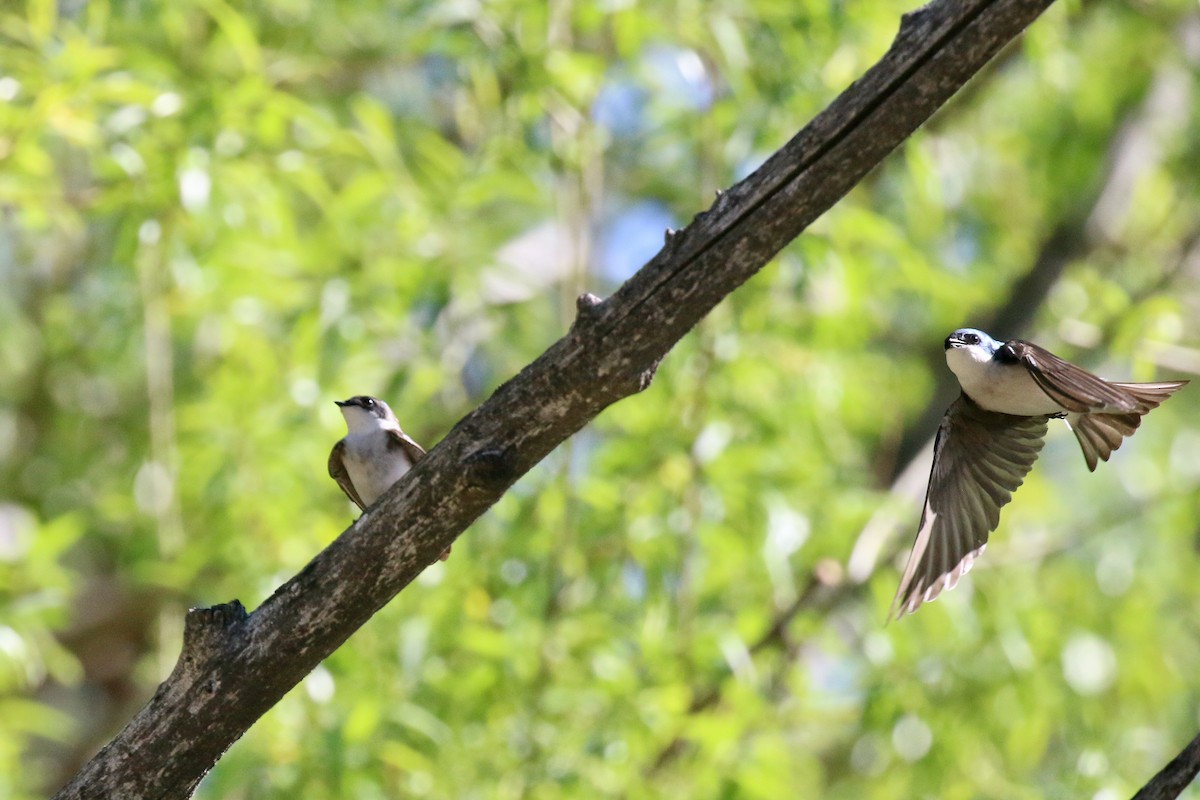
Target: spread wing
[
  {"x": 337, "y": 471},
  {"x": 399, "y": 439},
  {"x": 979, "y": 459},
  {"x": 1072, "y": 387}
]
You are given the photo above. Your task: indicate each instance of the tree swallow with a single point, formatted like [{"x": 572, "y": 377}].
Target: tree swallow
[
  {"x": 374, "y": 454},
  {"x": 990, "y": 437}
]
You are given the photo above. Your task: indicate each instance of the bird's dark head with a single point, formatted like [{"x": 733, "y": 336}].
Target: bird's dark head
[
  {"x": 971, "y": 337},
  {"x": 365, "y": 409}
]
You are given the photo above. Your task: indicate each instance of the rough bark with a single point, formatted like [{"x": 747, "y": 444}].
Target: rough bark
[
  {"x": 1174, "y": 777},
  {"x": 235, "y": 666}
]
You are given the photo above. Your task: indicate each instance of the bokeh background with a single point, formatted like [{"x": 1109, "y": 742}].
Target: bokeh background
[{"x": 216, "y": 218}]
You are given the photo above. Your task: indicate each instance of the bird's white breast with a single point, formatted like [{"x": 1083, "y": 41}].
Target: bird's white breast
[
  {"x": 373, "y": 466},
  {"x": 997, "y": 386}
]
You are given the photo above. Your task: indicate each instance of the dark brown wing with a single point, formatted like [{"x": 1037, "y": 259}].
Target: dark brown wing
[
  {"x": 1151, "y": 395},
  {"x": 979, "y": 459},
  {"x": 337, "y": 471},
  {"x": 400, "y": 439},
  {"x": 1072, "y": 387}
]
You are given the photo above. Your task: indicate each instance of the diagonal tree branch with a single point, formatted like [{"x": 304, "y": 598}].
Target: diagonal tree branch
[
  {"x": 1175, "y": 776},
  {"x": 235, "y": 666}
]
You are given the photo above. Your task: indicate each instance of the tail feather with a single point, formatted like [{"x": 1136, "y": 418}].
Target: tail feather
[{"x": 1100, "y": 434}]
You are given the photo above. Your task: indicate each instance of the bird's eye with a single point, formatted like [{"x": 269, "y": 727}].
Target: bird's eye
[
  {"x": 368, "y": 403},
  {"x": 970, "y": 338}
]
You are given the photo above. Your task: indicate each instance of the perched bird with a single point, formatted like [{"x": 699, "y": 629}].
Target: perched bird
[
  {"x": 990, "y": 437},
  {"x": 374, "y": 454}
]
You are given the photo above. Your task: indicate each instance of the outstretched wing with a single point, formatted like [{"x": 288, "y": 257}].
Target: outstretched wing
[
  {"x": 1072, "y": 387},
  {"x": 337, "y": 471},
  {"x": 979, "y": 459}
]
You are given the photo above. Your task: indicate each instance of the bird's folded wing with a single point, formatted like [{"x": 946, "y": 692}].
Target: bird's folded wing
[
  {"x": 400, "y": 439},
  {"x": 337, "y": 471},
  {"x": 1150, "y": 395},
  {"x": 1072, "y": 387},
  {"x": 979, "y": 459}
]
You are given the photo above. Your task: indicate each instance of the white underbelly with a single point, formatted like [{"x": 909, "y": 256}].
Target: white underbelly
[
  {"x": 373, "y": 476},
  {"x": 1007, "y": 388}
]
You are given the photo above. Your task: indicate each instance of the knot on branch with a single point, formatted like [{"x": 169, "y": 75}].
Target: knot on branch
[
  {"x": 587, "y": 311},
  {"x": 588, "y": 305},
  {"x": 914, "y": 24},
  {"x": 646, "y": 376},
  {"x": 720, "y": 198},
  {"x": 492, "y": 466},
  {"x": 206, "y": 631},
  {"x": 204, "y": 628}
]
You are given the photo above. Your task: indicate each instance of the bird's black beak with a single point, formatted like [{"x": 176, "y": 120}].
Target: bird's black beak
[
  {"x": 950, "y": 342},
  {"x": 342, "y": 403}
]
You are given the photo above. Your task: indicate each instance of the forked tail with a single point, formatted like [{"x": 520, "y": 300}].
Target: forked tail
[{"x": 1100, "y": 434}]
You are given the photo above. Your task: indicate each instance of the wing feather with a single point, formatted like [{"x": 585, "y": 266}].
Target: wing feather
[
  {"x": 400, "y": 439},
  {"x": 337, "y": 471},
  {"x": 1151, "y": 395},
  {"x": 979, "y": 459},
  {"x": 1072, "y": 387}
]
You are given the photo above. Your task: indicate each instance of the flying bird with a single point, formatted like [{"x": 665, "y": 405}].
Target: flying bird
[
  {"x": 374, "y": 454},
  {"x": 990, "y": 437}
]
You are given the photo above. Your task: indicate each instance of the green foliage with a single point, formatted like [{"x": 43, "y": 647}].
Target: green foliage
[{"x": 217, "y": 220}]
